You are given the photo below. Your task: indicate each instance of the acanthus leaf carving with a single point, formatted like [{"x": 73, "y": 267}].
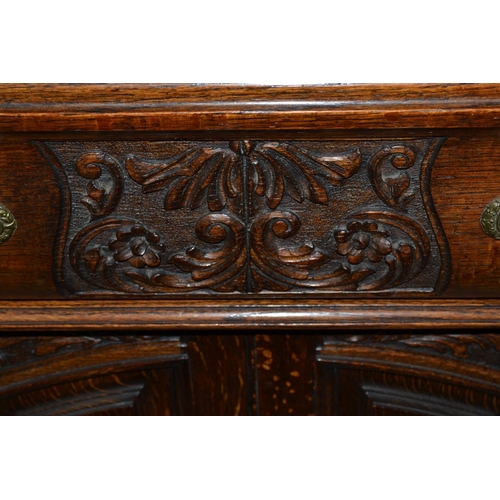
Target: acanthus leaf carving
[
  {"x": 100, "y": 200},
  {"x": 248, "y": 235},
  {"x": 394, "y": 190},
  {"x": 287, "y": 168},
  {"x": 215, "y": 174}
]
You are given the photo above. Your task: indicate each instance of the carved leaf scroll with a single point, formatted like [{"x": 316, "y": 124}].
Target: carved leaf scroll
[
  {"x": 394, "y": 190},
  {"x": 215, "y": 175},
  {"x": 243, "y": 206},
  {"x": 100, "y": 200},
  {"x": 190, "y": 178},
  {"x": 282, "y": 167}
]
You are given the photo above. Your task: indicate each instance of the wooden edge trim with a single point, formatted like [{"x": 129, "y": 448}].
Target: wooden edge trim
[
  {"x": 89, "y": 362},
  {"x": 238, "y": 120},
  {"x": 64, "y": 108},
  {"x": 429, "y": 366},
  {"x": 210, "y": 314}
]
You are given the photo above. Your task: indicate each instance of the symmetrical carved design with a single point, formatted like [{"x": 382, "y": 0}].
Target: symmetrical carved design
[
  {"x": 224, "y": 175},
  {"x": 463, "y": 346},
  {"x": 7, "y": 224},
  {"x": 246, "y": 218}
]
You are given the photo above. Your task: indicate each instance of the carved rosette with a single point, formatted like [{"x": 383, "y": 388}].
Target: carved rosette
[{"x": 245, "y": 216}]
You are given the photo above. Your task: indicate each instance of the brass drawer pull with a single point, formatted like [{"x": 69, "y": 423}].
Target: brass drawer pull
[
  {"x": 490, "y": 221},
  {"x": 7, "y": 224}
]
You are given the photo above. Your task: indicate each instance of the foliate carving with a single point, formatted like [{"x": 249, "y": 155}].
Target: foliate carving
[
  {"x": 97, "y": 251},
  {"x": 101, "y": 198},
  {"x": 220, "y": 268},
  {"x": 397, "y": 242},
  {"x": 218, "y": 176},
  {"x": 455, "y": 345},
  {"x": 248, "y": 216},
  {"x": 394, "y": 188}
]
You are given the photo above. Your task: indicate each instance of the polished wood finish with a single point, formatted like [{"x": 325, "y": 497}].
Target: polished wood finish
[
  {"x": 240, "y": 373},
  {"x": 460, "y": 185},
  {"x": 52, "y": 108},
  {"x": 218, "y": 315},
  {"x": 244, "y": 250}
]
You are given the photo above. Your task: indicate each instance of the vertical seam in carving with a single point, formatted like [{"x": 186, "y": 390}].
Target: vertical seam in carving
[{"x": 246, "y": 215}]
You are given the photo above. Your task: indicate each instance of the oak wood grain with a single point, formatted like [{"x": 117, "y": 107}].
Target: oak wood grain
[
  {"x": 233, "y": 107},
  {"x": 214, "y": 315}
]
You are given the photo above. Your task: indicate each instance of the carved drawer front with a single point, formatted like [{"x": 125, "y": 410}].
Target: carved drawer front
[{"x": 247, "y": 217}]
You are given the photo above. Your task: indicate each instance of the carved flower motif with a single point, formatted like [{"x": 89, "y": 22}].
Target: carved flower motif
[
  {"x": 138, "y": 246},
  {"x": 362, "y": 240}
]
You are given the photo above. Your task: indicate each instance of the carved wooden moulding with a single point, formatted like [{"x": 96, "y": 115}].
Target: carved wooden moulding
[{"x": 246, "y": 217}]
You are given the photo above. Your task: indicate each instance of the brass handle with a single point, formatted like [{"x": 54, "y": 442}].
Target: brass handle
[
  {"x": 7, "y": 224},
  {"x": 490, "y": 219}
]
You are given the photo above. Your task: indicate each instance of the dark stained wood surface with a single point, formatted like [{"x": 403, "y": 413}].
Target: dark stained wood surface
[
  {"x": 462, "y": 178},
  {"x": 221, "y": 374},
  {"x": 250, "y": 350},
  {"x": 425, "y": 372},
  {"x": 29, "y": 191},
  {"x": 285, "y": 370},
  {"x": 244, "y": 217},
  {"x": 461, "y": 187}
]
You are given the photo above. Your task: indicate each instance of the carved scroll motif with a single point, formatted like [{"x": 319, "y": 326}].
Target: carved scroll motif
[
  {"x": 240, "y": 216},
  {"x": 100, "y": 200}
]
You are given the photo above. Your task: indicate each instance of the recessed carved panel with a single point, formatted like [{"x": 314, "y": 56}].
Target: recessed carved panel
[{"x": 238, "y": 217}]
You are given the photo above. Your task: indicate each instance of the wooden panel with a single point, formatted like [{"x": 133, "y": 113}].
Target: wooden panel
[
  {"x": 151, "y": 392},
  {"x": 410, "y": 374},
  {"x": 360, "y": 392},
  {"x": 221, "y": 374},
  {"x": 93, "y": 375},
  {"x": 247, "y": 217},
  {"x": 27, "y": 268},
  {"x": 423, "y": 373},
  {"x": 285, "y": 374},
  {"x": 463, "y": 183},
  {"x": 455, "y": 124},
  {"x": 29, "y": 191}
]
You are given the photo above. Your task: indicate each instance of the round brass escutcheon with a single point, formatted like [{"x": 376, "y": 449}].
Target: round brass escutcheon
[
  {"x": 490, "y": 219},
  {"x": 7, "y": 224}
]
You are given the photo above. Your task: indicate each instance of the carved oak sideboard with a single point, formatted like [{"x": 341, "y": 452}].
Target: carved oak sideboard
[{"x": 197, "y": 249}]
